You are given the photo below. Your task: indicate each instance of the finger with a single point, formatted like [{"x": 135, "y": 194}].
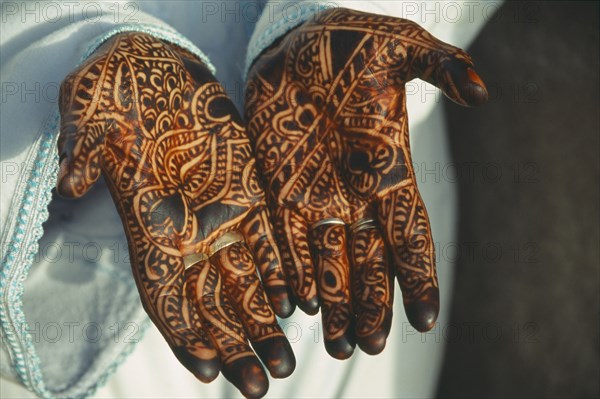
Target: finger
[
  {"x": 81, "y": 137},
  {"x": 239, "y": 365},
  {"x": 328, "y": 243},
  {"x": 261, "y": 241},
  {"x": 291, "y": 233},
  {"x": 249, "y": 300},
  {"x": 158, "y": 269},
  {"x": 159, "y": 276},
  {"x": 447, "y": 67},
  {"x": 199, "y": 356},
  {"x": 406, "y": 230},
  {"x": 372, "y": 288}
]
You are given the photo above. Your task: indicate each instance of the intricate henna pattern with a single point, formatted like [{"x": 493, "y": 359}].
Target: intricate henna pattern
[
  {"x": 372, "y": 290},
  {"x": 327, "y": 118},
  {"x": 333, "y": 279},
  {"x": 156, "y": 124}
]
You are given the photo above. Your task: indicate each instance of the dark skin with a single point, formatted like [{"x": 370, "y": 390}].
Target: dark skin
[
  {"x": 326, "y": 112},
  {"x": 153, "y": 121}
]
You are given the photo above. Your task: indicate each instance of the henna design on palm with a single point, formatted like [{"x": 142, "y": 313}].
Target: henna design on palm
[
  {"x": 152, "y": 119},
  {"x": 327, "y": 117}
]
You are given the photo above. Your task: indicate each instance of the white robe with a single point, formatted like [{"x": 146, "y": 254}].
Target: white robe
[{"x": 69, "y": 308}]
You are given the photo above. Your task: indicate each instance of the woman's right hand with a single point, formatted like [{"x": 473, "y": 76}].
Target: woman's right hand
[{"x": 153, "y": 121}]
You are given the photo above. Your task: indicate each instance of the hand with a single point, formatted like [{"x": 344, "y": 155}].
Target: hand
[
  {"x": 327, "y": 117},
  {"x": 153, "y": 121}
]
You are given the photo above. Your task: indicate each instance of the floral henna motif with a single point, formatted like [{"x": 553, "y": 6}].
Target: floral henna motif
[
  {"x": 327, "y": 117},
  {"x": 156, "y": 124}
]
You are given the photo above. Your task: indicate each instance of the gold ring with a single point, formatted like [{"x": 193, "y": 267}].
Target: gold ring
[
  {"x": 362, "y": 224},
  {"x": 191, "y": 260},
  {"x": 324, "y": 222},
  {"x": 227, "y": 239}
]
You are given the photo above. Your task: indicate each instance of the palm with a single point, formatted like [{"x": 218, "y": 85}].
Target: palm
[
  {"x": 327, "y": 116},
  {"x": 162, "y": 131}
]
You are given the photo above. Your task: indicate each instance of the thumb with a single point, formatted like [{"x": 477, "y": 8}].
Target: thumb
[
  {"x": 81, "y": 137},
  {"x": 450, "y": 69}
]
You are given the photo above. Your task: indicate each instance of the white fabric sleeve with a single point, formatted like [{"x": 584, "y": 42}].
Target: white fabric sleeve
[{"x": 66, "y": 325}]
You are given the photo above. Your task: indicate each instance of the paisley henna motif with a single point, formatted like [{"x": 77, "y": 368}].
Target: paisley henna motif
[
  {"x": 152, "y": 120},
  {"x": 327, "y": 117}
]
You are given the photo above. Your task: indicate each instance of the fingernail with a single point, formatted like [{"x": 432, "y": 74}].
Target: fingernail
[
  {"x": 62, "y": 184},
  {"x": 422, "y": 314},
  {"x": 248, "y": 376},
  {"x": 310, "y": 306},
  {"x": 277, "y": 354},
  {"x": 280, "y": 300},
  {"x": 374, "y": 343},
  {"x": 62, "y": 168},
  {"x": 473, "y": 90},
  {"x": 206, "y": 370},
  {"x": 341, "y": 348}
]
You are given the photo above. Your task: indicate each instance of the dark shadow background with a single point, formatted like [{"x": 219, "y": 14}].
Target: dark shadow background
[{"x": 525, "y": 316}]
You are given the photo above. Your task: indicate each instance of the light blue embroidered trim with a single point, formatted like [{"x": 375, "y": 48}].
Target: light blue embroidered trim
[
  {"x": 20, "y": 251},
  {"x": 290, "y": 16},
  {"x": 18, "y": 258},
  {"x": 160, "y": 32}
]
